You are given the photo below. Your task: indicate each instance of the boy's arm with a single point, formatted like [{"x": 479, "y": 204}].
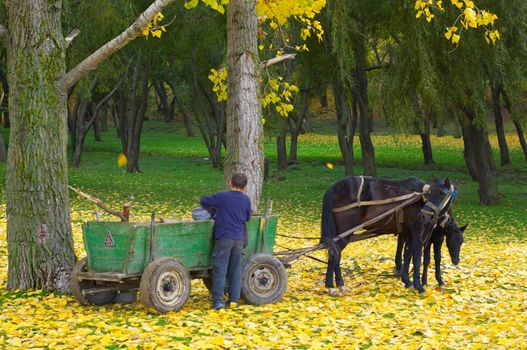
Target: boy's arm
[
  {"x": 208, "y": 201},
  {"x": 249, "y": 211}
]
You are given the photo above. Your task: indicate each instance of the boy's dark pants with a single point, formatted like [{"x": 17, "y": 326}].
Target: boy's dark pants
[{"x": 226, "y": 262}]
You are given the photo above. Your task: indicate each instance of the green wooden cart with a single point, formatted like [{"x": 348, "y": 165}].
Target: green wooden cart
[{"x": 160, "y": 259}]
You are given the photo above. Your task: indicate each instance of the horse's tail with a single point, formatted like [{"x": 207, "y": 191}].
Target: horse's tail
[{"x": 328, "y": 225}]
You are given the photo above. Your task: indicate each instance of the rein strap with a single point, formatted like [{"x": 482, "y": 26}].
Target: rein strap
[{"x": 381, "y": 201}]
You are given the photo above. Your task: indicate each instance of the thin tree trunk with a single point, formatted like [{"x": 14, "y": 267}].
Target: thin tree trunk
[
  {"x": 360, "y": 93},
  {"x": 297, "y": 127},
  {"x": 521, "y": 137},
  {"x": 423, "y": 129},
  {"x": 3, "y": 154},
  {"x": 40, "y": 243},
  {"x": 96, "y": 124},
  {"x": 517, "y": 124},
  {"x": 104, "y": 117},
  {"x": 485, "y": 166},
  {"x": 468, "y": 151},
  {"x": 187, "y": 119},
  {"x": 159, "y": 86},
  {"x": 343, "y": 126},
  {"x": 138, "y": 117},
  {"x": 500, "y": 131},
  {"x": 4, "y": 104},
  {"x": 426, "y": 144},
  {"x": 281, "y": 151},
  {"x": 244, "y": 121}
]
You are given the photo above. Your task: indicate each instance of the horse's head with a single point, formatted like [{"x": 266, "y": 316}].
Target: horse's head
[
  {"x": 454, "y": 239},
  {"x": 438, "y": 203}
]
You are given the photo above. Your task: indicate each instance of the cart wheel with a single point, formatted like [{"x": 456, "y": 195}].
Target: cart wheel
[
  {"x": 165, "y": 285},
  {"x": 77, "y": 287},
  {"x": 264, "y": 280}
]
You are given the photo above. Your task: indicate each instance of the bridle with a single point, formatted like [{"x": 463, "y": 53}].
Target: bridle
[{"x": 435, "y": 212}]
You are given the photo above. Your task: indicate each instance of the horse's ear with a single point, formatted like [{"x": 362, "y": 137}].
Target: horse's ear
[
  {"x": 447, "y": 182},
  {"x": 434, "y": 178},
  {"x": 463, "y": 228}
]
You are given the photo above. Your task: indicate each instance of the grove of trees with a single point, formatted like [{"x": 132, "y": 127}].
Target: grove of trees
[{"x": 373, "y": 59}]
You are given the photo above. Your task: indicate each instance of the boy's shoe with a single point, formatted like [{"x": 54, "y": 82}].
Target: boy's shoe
[
  {"x": 218, "y": 306},
  {"x": 232, "y": 305}
]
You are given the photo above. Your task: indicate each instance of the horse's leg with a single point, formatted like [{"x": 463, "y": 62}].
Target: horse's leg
[
  {"x": 417, "y": 250},
  {"x": 329, "y": 271},
  {"x": 426, "y": 262},
  {"x": 437, "y": 259},
  {"x": 406, "y": 267},
  {"x": 399, "y": 255},
  {"x": 338, "y": 277}
]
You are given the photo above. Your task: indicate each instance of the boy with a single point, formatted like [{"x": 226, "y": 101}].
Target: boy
[{"x": 233, "y": 209}]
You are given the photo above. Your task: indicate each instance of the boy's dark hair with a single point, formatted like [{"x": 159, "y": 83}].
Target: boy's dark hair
[{"x": 239, "y": 180}]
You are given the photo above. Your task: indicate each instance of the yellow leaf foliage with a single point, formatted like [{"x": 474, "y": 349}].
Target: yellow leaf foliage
[{"x": 470, "y": 16}]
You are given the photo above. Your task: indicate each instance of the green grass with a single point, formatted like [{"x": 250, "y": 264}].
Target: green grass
[{"x": 176, "y": 171}]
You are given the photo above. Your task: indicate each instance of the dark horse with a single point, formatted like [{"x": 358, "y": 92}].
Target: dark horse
[
  {"x": 447, "y": 227},
  {"x": 347, "y": 204}
]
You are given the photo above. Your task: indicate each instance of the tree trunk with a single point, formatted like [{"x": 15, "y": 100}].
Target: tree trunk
[
  {"x": 517, "y": 124},
  {"x": 485, "y": 166},
  {"x": 40, "y": 243},
  {"x": 423, "y": 129},
  {"x": 297, "y": 126},
  {"x": 360, "y": 93},
  {"x": 345, "y": 137},
  {"x": 187, "y": 119},
  {"x": 498, "y": 119},
  {"x": 281, "y": 151},
  {"x": 104, "y": 117},
  {"x": 468, "y": 151},
  {"x": 244, "y": 120},
  {"x": 135, "y": 127},
  {"x": 159, "y": 86},
  {"x": 3, "y": 154},
  {"x": 96, "y": 124},
  {"x": 521, "y": 137},
  {"x": 4, "y": 104},
  {"x": 426, "y": 144}
]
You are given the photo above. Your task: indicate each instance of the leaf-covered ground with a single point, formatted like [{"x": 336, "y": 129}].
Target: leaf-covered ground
[{"x": 483, "y": 304}]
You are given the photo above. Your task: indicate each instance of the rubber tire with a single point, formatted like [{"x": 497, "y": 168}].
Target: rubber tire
[
  {"x": 260, "y": 270},
  {"x": 77, "y": 287},
  {"x": 160, "y": 269}
]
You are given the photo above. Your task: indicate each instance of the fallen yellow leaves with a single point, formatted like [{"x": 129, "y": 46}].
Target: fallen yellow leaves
[{"x": 482, "y": 306}]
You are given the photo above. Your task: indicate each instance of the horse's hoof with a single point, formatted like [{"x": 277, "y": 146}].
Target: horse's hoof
[
  {"x": 334, "y": 292},
  {"x": 441, "y": 283},
  {"x": 421, "y": 290},
  {"x": 344, "y": 290},
  {"x": 408, "y": 284},
  {"x": 398, "y": 272}
]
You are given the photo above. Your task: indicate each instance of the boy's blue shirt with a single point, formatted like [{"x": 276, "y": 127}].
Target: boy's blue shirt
[{"x": 233, "y": 209}]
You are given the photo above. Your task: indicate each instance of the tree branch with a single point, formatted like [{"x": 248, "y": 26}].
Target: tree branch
[
  {"x": 270, "y": 62},
  {"x": 380, "y": 66},
  {"x": 71, "y": 36},
  {"x": 114, "y": 45}
]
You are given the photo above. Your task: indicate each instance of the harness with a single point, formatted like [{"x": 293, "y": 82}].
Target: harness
[
  {"x": 359, "y": 203},
  {"x": 429, "y": 208}
]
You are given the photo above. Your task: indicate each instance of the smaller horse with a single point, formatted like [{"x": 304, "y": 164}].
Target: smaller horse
[
  {"x": 357, "y": 199},
  {"x": 454, "y": 235}
]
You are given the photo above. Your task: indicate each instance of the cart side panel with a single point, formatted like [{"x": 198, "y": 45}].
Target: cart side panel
[
  {"x": 189, "y": 241},
  {"x": 107, "y": 245},
  {"x": 138, "y": 252},
  {"x": 256, "y": 242}
]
